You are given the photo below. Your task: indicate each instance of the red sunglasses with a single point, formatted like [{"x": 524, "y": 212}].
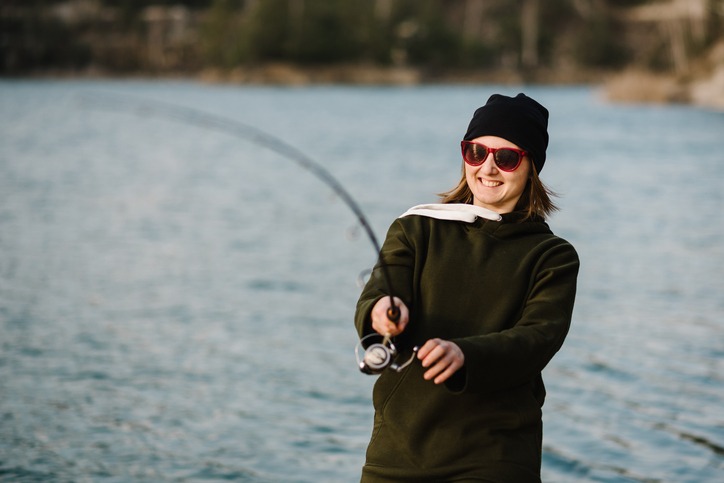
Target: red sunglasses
[{"x": 506, "y": 159}]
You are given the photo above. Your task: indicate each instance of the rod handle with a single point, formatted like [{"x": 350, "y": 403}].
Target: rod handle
[{"x": 393, "y": 312}]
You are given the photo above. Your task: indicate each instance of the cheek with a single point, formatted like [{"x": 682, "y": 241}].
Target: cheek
[
  {"x": 516, "y": 187},
  {"x": 470, "y": 174},
  {"x": 519, "y": 178}
]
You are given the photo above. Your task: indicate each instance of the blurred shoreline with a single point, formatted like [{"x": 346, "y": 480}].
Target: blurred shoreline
[
  {"x": 647, "y": 51},
  {"x": 704, "y": 88}
]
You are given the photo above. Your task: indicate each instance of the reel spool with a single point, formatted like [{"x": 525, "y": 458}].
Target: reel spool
[{"x": 378, "y": 356}]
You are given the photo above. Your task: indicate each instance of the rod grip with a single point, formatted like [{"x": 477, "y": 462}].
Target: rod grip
[{"x": 393, "y": 313}]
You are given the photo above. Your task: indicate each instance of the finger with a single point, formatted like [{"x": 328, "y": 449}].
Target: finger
[
  {"x": 435, "y": 355},
  {"x": 427, "y": 347},
  {"x": 379, "y": 328},
  {"x": 392, "y": 329},
  {"x": 456, "y": 360},
  {"x": 446, "y": 374},
  {"x": 385, "y": 327},
  {"x": 438, "y": 368},
  {"x": 380, "y": 323},
  {"x": 444, "y": 368}
]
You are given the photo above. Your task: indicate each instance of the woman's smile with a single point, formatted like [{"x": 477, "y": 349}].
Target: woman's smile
[
  {"x": 490, "y": 183},
  {"x": 493, "y": 188}
]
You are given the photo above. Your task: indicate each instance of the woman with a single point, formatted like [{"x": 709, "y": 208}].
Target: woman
[{"x": 486, "y": 291}]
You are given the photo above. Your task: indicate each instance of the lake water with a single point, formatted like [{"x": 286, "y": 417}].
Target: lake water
[{"x": 176, "y": 302}]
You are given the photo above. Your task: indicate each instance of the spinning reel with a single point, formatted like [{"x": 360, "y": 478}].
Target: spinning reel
[{"x": 379, "y": 354}]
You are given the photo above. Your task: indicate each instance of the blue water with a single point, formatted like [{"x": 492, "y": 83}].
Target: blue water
[{"x": 176, "y": 303}]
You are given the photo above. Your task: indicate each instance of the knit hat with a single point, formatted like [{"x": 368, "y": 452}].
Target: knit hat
[{"x": 520, "y": 119}]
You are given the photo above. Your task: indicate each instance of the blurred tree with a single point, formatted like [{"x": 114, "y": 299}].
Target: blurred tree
[
  {"x": 31, "y": 38},
  {"x": 325, "y": 31},
  {"x": 599, "y": 36},
  {"x": 433, "y": 35},
  {"x": 530, "y": 26},
  {"x": 137, "y": 5},
  {"x": 376, "y": 32},
  {"x": 423, "y": 37},
  {"x": 222, "y": 35},
  {"x": 268, "y": 30}
]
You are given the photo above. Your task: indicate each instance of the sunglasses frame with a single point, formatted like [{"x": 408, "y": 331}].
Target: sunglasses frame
[{"x": 488, "y": 150}]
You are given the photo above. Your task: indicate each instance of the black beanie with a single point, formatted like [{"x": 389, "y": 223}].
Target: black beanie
[{"x": 520, "y": 119}]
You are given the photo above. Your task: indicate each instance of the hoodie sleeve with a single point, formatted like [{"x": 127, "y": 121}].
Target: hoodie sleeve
[
  {"x": 514, "y": 356},
  {"x": 398, "y": 256}
]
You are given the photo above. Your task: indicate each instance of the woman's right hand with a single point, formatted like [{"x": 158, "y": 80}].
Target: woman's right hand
[{"x": 381, "y": 322}]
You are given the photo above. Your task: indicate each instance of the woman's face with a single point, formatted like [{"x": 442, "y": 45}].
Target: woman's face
[{"x": 493, "y": 188}]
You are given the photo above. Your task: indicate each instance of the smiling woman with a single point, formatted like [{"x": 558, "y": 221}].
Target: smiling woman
[
  {"x": 488, "y": 300},
  {"x": 525, "y": 124},
  {"x": 492, "y": 186}
]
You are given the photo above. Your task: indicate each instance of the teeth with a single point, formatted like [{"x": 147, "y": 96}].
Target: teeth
[{"x": 490, "y": 184}]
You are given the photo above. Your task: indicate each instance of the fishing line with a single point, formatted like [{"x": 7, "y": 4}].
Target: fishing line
[{"x": 214, "y": 122}]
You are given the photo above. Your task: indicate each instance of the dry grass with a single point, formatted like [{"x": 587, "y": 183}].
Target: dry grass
[{"x": 645, "y": 87}]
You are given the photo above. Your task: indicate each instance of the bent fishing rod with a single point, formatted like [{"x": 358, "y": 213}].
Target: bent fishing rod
[{"x": 378, "y": 356}]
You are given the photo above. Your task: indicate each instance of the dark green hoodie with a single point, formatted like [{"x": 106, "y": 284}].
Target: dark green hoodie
[{"x": 503, "y": 291}]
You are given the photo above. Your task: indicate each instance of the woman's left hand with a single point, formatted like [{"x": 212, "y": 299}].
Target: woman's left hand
[{"x": 442, "y": 357}]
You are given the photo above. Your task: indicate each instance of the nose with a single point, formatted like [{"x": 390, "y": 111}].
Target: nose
[{"x": 489, "y": 165}]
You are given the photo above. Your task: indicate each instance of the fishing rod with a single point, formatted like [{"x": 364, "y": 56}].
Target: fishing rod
[{"x": 378, "y": 356}]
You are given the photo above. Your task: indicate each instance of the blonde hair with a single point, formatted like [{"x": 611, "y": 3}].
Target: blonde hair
[{"x": 535, "y": 202}]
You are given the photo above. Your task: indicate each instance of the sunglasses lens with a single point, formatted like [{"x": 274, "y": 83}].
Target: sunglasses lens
[
  {"x": 475, "y": 154},
  {"x": 507, "y": 159}
]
